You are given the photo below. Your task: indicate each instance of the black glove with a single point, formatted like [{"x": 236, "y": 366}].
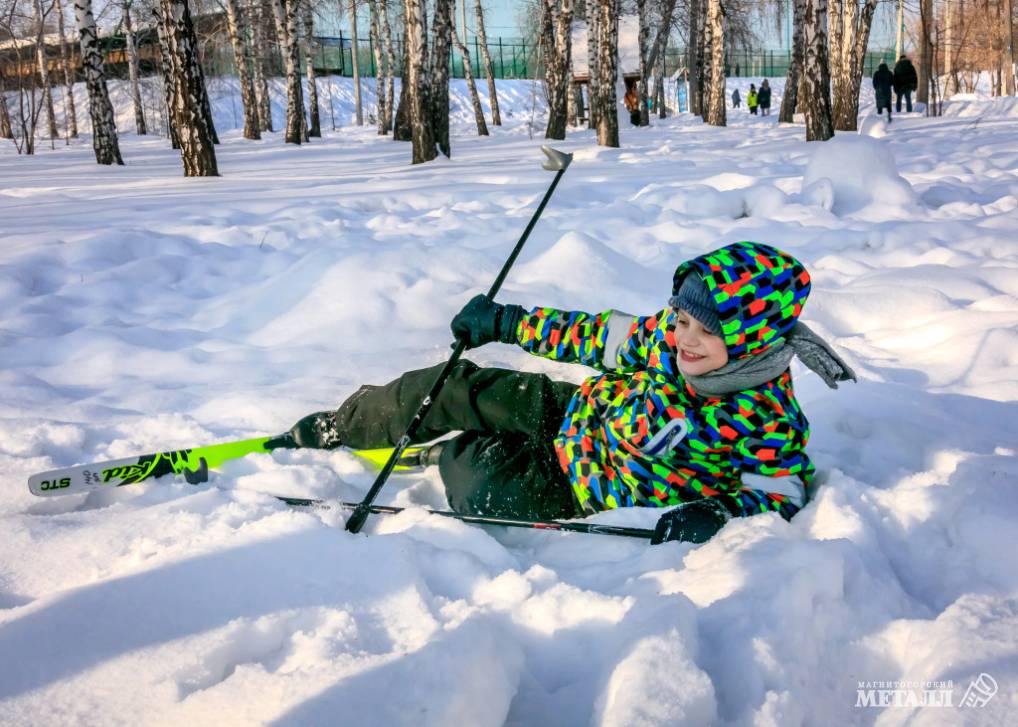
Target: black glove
[
  {"x": 482, "y": 321},
  {"x": 316, "y": 431},
  {"x": 694, "y": 522}
]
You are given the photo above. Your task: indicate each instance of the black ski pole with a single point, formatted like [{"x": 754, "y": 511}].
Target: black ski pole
[
  {"x": 590, "y": 528},
  {"x": 556, "y": 161}
]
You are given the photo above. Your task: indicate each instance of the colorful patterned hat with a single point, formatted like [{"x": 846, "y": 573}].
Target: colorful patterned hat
[{"x": 759, "y": 293}]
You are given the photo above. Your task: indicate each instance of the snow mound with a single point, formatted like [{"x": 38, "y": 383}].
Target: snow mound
[
  {"x": 864, "y": 177},
  {"x": 873, "y": 126}
]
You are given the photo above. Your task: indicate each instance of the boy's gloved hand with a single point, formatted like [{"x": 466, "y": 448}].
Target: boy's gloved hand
[
  {"x": 316, "y": 431},
  {"x": 482, "y": 321},
  {"x": 694, "y": 522}
]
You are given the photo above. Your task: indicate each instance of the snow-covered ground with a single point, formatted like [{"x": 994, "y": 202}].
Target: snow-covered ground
[{"x": 141, "y": 311}]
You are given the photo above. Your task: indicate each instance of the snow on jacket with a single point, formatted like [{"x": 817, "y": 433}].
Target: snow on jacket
[{"x": 638, "y": 434}]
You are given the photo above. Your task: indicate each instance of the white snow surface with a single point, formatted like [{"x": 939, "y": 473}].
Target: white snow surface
[{"x": 142, "y": 311}]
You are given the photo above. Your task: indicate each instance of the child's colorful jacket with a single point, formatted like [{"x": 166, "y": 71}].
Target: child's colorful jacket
[{"x": 638, "y": 434}]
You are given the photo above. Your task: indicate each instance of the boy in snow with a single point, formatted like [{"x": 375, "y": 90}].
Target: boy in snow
[
  {"x": 736, "y": 99},
  {"x": 751, "y": 99},
  {"x": 693, "y": 406}
]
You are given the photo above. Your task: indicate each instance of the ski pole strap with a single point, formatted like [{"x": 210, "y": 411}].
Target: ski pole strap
[{"x": 564, "y": 526}]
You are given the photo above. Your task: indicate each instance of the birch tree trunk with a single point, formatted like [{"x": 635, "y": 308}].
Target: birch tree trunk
[
  {"x": 816, "y": 77},
  {"x": 416, "y": 83},
  {"x": 376, "y": 49},
  {"x": 643, "y": 40},
  {"x": 707, "y": 58},
  {"x": 593, "y": 72},
  {"x": 791, "y": 95},
  {"x": 716, "y": 109},
  {"x": 560, "y": 14},
  {"x": 70, "y": 113},
  {"x": 856, "y": 38},
  {"x": 197, "y": 147},
  {"x": 607, "y": 62},
  {"x": 256, "y": 11},
  {"x": 496, "y": 116},
  {"x": 247, "y": 92},
  {"x": 6, "y": 132},
  {"x": 390, "y": 64},
  {"x": 694, "y": 61},
  {"x": 132, "y": 69},
  {"x": 167, "y": 75},
  {"x": 357, "y": 108},
  {"x": 925, "y": 51},
  {"x": 104, "y": 128},
  {"x": 1008, "y": 66},
  {"x": 43, "y": 65},
  {"x": 835, "y": 36},
  {"x": 468, "y": 74},
  {"x": 439, "y": 93},
  {"x": 401, "y": 130},
  {"x": 308, "y": 36},
  {"x": 294, "y": 94}
]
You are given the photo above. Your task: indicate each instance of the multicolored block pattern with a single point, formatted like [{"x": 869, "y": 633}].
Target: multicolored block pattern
[
  {"x": 759, "y": 292},
  {"x": 638, "y": 434}
]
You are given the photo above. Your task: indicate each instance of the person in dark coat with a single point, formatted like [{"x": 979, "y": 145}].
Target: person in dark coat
[
  {"x": 763, "y": 97},
  {"x": 905, "y": 82},
  {"x": 882, "y": 82},
  {"x": 736, "y": 98}
]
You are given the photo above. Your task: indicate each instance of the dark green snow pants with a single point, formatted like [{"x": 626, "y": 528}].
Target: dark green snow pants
[{"x": 503, "y": 462}]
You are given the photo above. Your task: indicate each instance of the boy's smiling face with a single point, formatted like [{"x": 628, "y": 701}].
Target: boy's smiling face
[{"x": 700, "y": 351}]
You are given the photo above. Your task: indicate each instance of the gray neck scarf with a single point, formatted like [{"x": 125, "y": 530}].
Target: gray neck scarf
[{"x": 753, "y": 371}]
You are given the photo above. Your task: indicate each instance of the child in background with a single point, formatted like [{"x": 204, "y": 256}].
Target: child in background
[
  {"x": 694, "y": 405},
  {"x": 751, "y": 99}
]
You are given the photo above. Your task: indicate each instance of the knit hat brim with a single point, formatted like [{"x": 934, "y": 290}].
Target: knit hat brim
[{"x": 695, "y": 298}]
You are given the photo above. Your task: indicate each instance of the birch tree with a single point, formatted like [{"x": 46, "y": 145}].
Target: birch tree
[
  {"x": 140, "y": 127},
  {"x": 188, "y": 111},
  {"x": 715, "y": 115},
  {"x": 294, "y": 96},
  {"x": 70, "y": 113},
  {"x": 248, "y": 100},
  {"x": 607, "y": 62},
  {"x": 643, "y": 43},
  {"x": 377, "y": 51},
  {"x": 416, "y": 83},
  {"x": 441, "y": 46},
  {"x": 468, "y": 75},
  {"x": 167, "y": 76},
  {"x": 401, "y": 130},
  {"x": 390, "y": 64},
  {"x": 816, "y": 80},
  {"x": 496, "y": 116},
  {"x": 593, "y": 69},
  {"x": 256, "y": 11},
  {"x": 43, "y": 67},
  {"x": 789, "y": 98},
  {"x": 104, "y": 128},
  {"x": 847, "y": 55},
  {"x": 6, "y": 132},
  {"x": 308, "y": 38},
  {"x": 558, "y": 20},
  {"x": 354, "y": 53}
]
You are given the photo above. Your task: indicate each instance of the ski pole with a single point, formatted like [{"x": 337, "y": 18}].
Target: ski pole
[
  {"x": 556, "y": 161},
  {"x": 590, "y": 528}
]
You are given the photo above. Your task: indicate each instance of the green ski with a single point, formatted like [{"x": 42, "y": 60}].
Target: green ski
[{"x": 194, "y": 464}]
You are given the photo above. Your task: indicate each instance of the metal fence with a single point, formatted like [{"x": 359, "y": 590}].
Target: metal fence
[{"x": 510, "y": 58}]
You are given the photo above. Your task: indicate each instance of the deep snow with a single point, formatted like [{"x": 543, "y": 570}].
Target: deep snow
[{"x": 141, "y": 311}]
